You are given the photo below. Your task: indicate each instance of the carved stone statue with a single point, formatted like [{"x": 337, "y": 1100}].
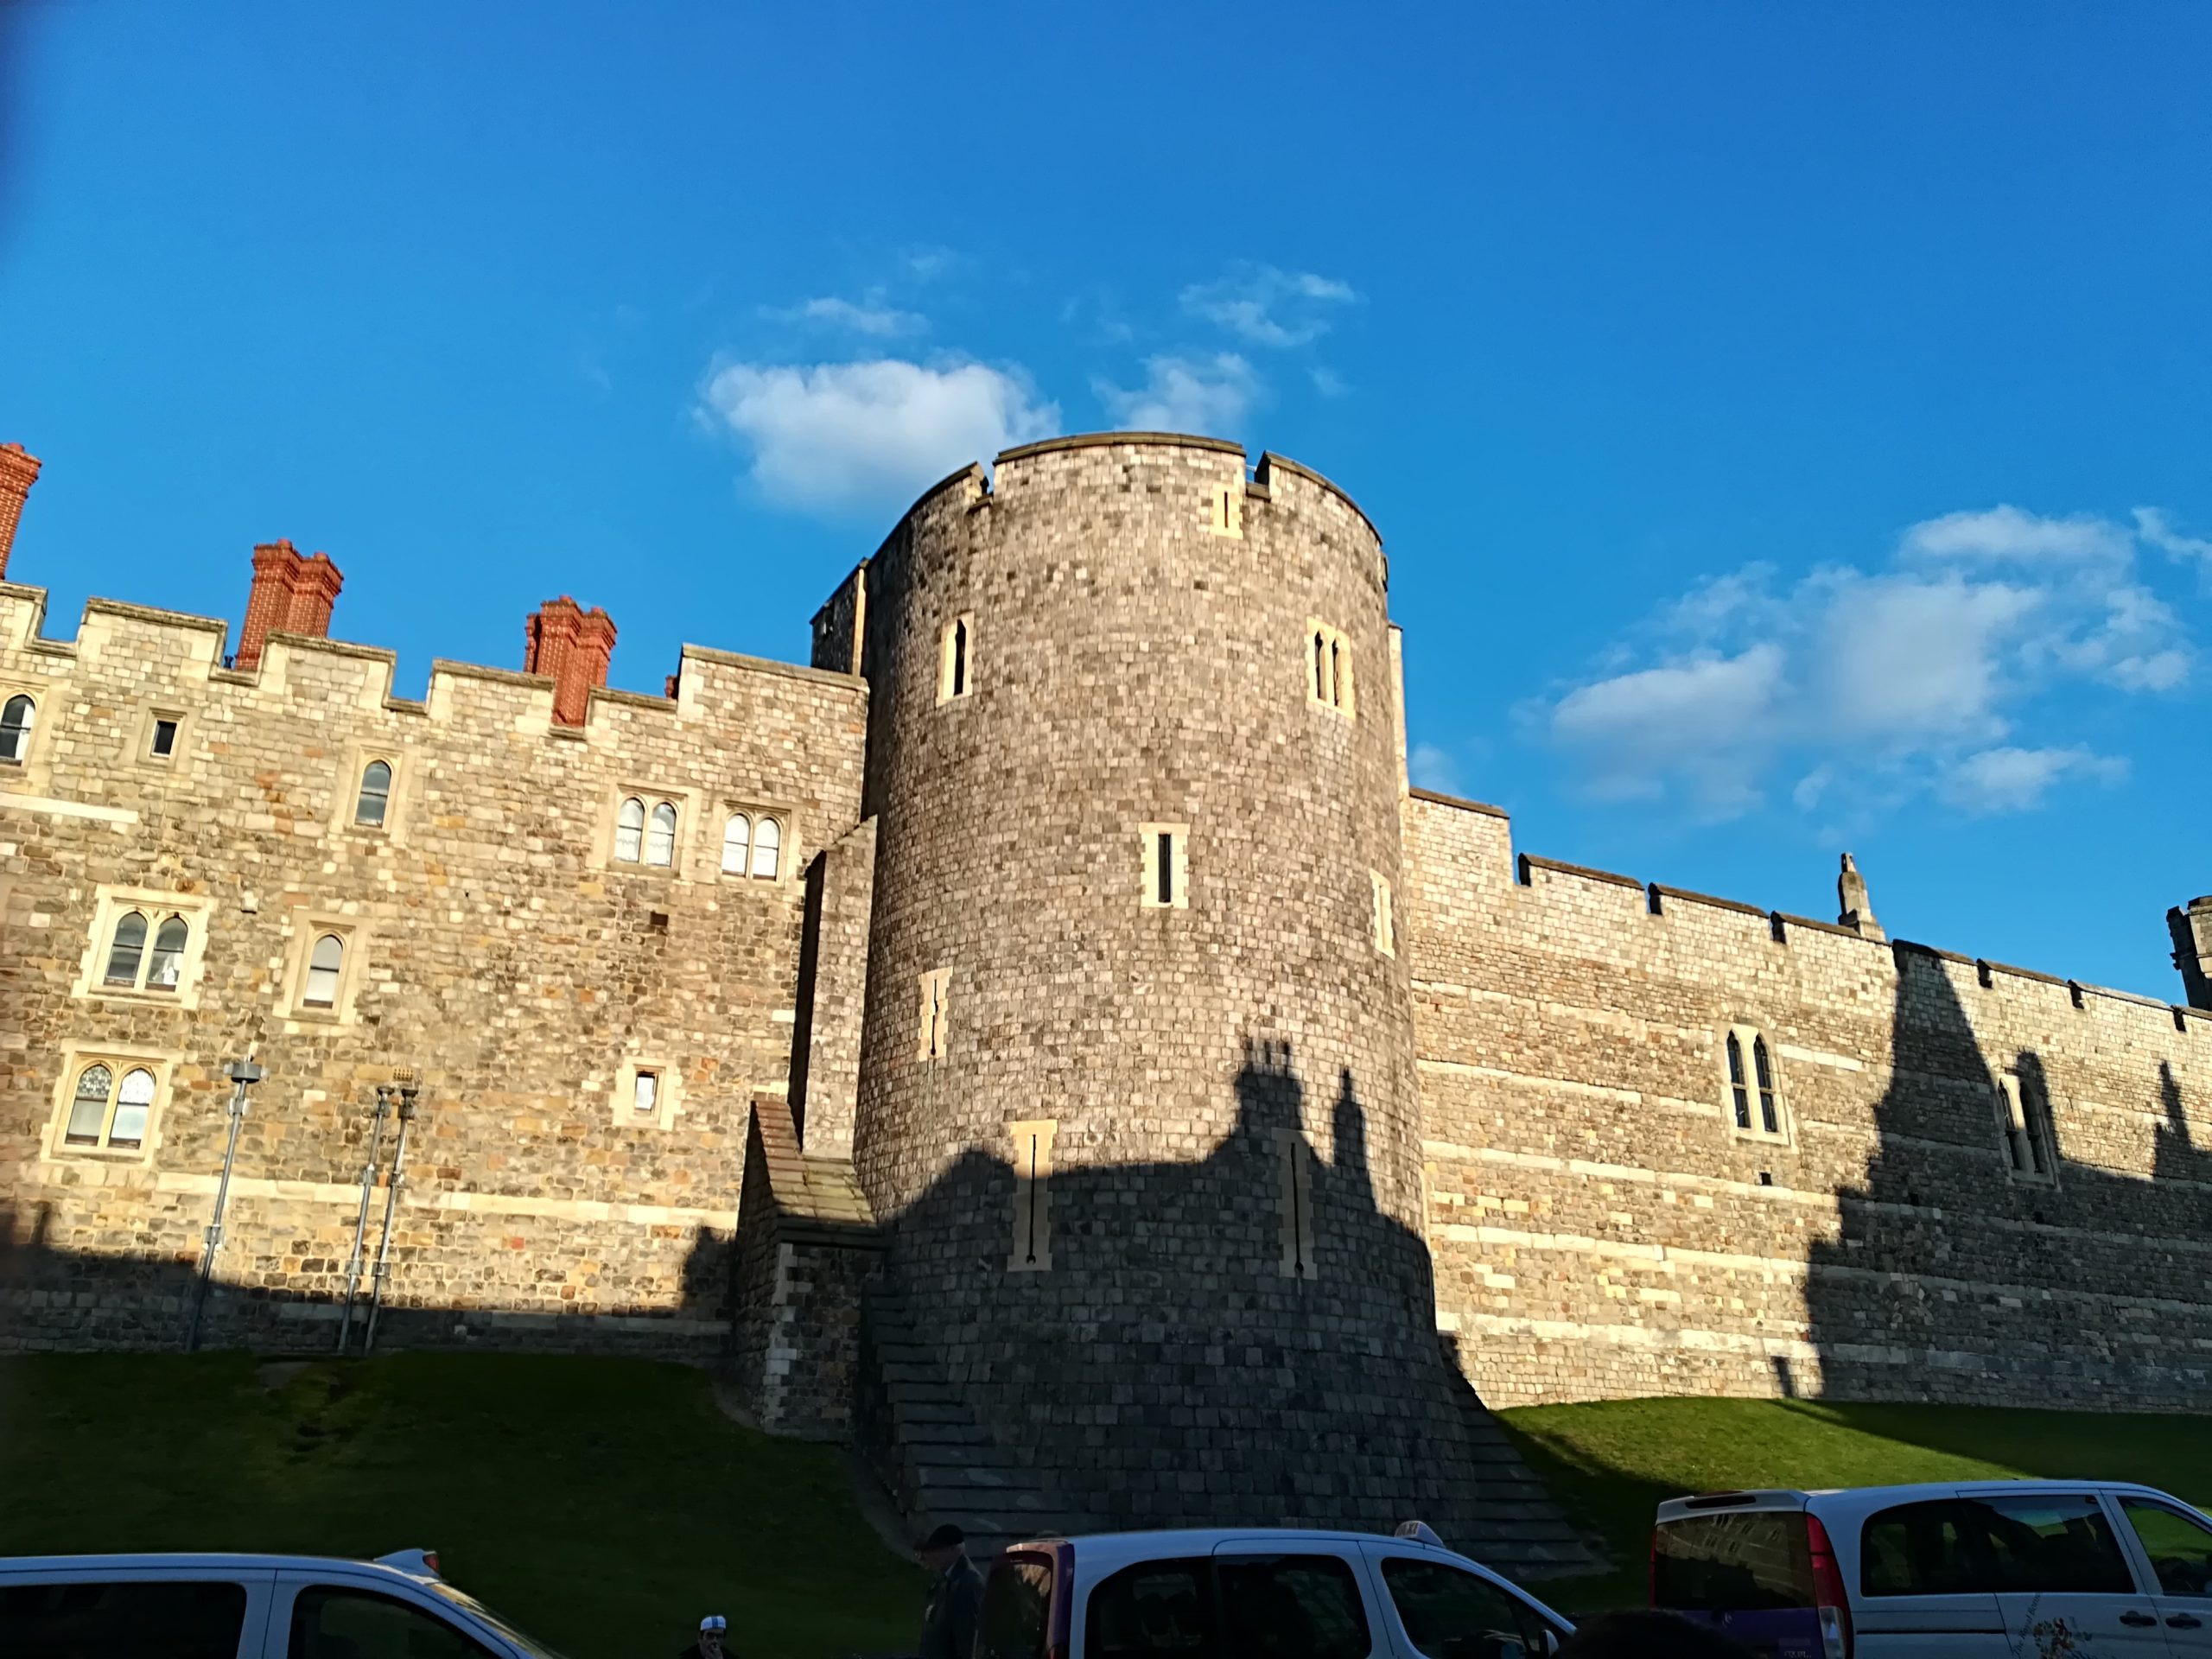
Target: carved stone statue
[{"x": 1858, "y": 911}]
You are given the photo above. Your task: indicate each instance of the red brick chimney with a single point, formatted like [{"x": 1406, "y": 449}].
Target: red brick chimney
[
  {"x": 18, "y": 472},
  {"x": 292, "y": 593},
  {"x": 571, "y": 647}
]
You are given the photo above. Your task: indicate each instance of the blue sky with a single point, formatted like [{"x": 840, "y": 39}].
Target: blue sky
[{"x": 1789, "y": 425}]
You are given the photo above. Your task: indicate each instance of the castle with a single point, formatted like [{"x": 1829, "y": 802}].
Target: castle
[{"x": 1045, "y": 1039}]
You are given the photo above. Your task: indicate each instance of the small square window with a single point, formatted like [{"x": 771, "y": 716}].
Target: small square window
[
  {"x": 163, "y": 744},
  {"x": 645, "y": 1093}
]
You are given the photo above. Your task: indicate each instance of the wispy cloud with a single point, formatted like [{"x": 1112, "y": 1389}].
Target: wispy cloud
[
  {"x": 928, "y": 262},
  {"x": 1270, "y": 306},
  {"x": 2154, "y": 527},
  {"x": 1919, "y": 677},
  {"x": 1209, "y": 395},
  {"x": 845, "y": 437},
  {"x": 1432, "y": 767},
  {"x": 870, "y": 316}
]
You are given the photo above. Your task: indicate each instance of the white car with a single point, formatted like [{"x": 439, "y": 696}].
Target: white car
[
  {"x": 246, "y": 1607},
  {"x": 2010, "y": 1569},
  {"x": 1292, "y": 1594}
]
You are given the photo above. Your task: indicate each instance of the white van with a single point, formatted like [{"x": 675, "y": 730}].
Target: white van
[
  {"x": 1979, "y": 1570},
  {"x": 1287, "y": 1594},
  {"x": 246, "y": 1607}
]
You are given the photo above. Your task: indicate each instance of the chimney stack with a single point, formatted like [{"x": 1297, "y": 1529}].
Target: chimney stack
[
  {"x": 18, "y": 472},
  {"x": 571, "y": 647},
  {"x": 293, "y": 593}
]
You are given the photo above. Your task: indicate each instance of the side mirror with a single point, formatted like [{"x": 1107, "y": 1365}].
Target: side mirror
[{"x": 1551, "y": 1642}]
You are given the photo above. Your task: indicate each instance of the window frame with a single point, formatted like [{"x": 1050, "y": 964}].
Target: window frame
[
  {"x": 755, "y": 815},
  {"x": 1179, "y": 866},
  {"x": 111, "y": 905},
  {"x": 2127, "y": 1503},
  {"x": 307, "y": 928},
  {"x": 934, "y": 1039},
  {"x": 361, "y": 793},
  {"x": 1383, "y": 1560},
  {"x": 1030, "y": 1249},
  {"x": 27, "y": 733},
  {"x": 121, "y": 1060},
  {"x": 1325, "y": 660},
  {"x": 1385, "y": 915},
  {"x": 1225, "y": 510},
  {"x": 150, "y": 721},
  {"x": 1754, "y": 1043},
  {"x": 685, "y": 803},
  {"x": 668, "y": 1092},
  {"x": 2011, "y": 1097},
  {"x": 956, "y": 658},
  {"x": 1297, "y": 1166}
]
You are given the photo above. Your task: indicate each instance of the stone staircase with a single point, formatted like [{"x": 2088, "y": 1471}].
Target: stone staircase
[
  {"x": 918, "y": 1438},
  {"x": 1518, "y": 1530}
]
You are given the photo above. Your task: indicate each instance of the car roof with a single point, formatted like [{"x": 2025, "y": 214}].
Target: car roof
[
  {"x": 1773, "y": 1497},
  {"x": 1093, "y": 1547},
  {"x": 210, "y": 1561}
]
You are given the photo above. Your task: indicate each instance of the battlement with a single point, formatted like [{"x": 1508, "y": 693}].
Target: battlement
[{"x": 1600, "y": 913}]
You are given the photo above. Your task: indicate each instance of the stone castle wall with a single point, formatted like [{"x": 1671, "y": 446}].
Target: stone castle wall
[
  {"x": 1600, "y": 1229},
  {"x": 496, "y": 948},
  {"x": 1088, "y": 1196}
]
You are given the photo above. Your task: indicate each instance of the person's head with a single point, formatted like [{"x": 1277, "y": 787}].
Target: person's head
[
  {"x": 1648, "y": 1636},
  {"x": 942, "y": 1548},
  {"x": 712, "y": 1629}
]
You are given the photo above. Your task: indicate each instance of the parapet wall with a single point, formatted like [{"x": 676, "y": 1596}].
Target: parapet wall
[
  {"x": 495, "y": 944},
  {"x": 1601, "y": 1229}
]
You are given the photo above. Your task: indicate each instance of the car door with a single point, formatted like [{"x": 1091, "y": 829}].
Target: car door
[
  {"x": 2177, "y": 1550},
  {"x": 184, "y": 1613},
  {"x": 2064, "y": 1584},
  {"x": 1439, "y": 1609},
  {"x": 1922, "y": 1588},
  {"x": 1304, "y": 1601},
  {"x": 319, "y": 1615}
]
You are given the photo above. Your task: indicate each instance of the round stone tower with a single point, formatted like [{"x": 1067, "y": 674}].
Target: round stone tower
[{"x": 1138, "y": 1100}]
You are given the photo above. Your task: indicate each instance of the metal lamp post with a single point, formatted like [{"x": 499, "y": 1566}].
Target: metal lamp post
[{"x": 243, "y": 1074}]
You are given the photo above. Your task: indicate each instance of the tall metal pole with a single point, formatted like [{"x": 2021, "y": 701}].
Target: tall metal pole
[
  {"x": 243, "y": 1074},
  {"x": 408, "y": 1090},
  {"x": 361, "y": 1218}
]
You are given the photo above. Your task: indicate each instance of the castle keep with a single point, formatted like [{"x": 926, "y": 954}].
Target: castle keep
[{"x": 1044, "y": 1039}]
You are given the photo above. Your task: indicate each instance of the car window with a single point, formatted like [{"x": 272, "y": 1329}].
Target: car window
[
  {"x": 528, "y": 1644},
  {"x": 1291, "y": 1607},
  {"x": 2057, "y": 1543},
  {"x": 2180, "y": 1548},
  {"x": 329, "y": 1622},
  {"x": 197, "y": 1620},
  {"x": 1932, "y": 1548},
  {"x": 1450, "y": 1613},
  {"x": 1749, "y": 1560},
  {"x": 1155, "y": 1610},
  {"x": 1016, "y": 1621}
]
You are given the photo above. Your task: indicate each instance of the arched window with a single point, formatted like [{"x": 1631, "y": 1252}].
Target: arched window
[
  {"x": 955, "y": 667},
  {"x": 168, "y": 955},
  {"x": 960, "y": 658},
  {"x": 370, "y": 805},
  {"x": 630, "y": 831},
  {"x": 767, "y": 847},
  {"x": 16, "y": 719},
  {"x": 660, "y": 843},
  {"x": 2020, "y": 1120},
  {"x": 737, "y": 844},
  {"x": 1769, "y": 1118},
  {"x": 88, "y": 1106},
  {"x": 127, "y": 951},
  {"x": 1736, "y": 1089},
  {"x": 132, "y": 1102},
  {"x": 323, "y": 963},
  {"x": 1320, "y": 666}
]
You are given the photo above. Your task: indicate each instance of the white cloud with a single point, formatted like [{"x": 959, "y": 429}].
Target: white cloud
[
  {"x": 1873, "y": 687},
  {"x": 2154, "y": 527},
  {"x": 2006, "y": 532},
  {"x": 872, "y": 317},
  {"x": 2015, "y": 780},
  {"x": 854, "y": 435},
  {"x": 1204, "y": 396},
  {"x": 1431, "y": 768},
  {"x": 1329, "y": 383},
  {"x": 929, "y": 261},
  {"x": 1270, "y": 306}
]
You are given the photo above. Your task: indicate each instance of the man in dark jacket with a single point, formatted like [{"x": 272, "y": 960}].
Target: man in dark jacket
[
  {"x": 714, "y": 1629},
  {"x": 955, "y": 1595}
]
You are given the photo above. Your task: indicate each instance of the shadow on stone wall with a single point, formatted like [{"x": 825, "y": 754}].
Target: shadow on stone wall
[
  {"x": 1954, "y": 1280},
  {"x": 53, "y": 1298},
  {"x": 1197, "y": 1354}
]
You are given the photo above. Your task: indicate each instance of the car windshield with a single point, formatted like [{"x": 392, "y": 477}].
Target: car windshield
[{"x": 463, "y": 1598}]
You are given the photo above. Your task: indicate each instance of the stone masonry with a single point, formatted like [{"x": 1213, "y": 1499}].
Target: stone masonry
[{"x": 1201, "y": 1107}]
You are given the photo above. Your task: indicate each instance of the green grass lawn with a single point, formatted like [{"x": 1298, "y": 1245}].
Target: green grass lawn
[
  {"x": 1612, "y": 1463},
  {"x": 601, "y": 1505}
]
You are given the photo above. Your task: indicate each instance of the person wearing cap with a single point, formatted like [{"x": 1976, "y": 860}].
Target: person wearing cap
[
  {"x": 708, "y": 1645},
  {"x": 956, "y": 1593}
]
